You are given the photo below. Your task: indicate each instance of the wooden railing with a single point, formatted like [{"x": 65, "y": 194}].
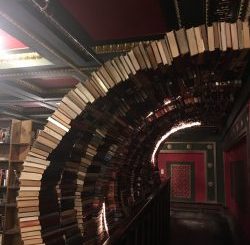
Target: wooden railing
[{"x": 150, "y": 225}]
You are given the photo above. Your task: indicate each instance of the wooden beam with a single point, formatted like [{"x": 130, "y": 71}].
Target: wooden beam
[
  {"x": 17, "y": 115},
  {"x": 19, "y": 93},
  {"x": 47, "y": 73},
  {"x": 18, "y": 20},
  {"x": 62, "y": 23}
]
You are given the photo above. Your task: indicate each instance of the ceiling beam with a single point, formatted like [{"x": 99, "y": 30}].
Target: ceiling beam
[
  {"x": 48, "y": 73},
  {"x": 59, "y": 26},
  {"x": 42, "y": 92},
  {"x": 46, "y": 115},
  {"x": 24, "y": 95},
  {"x": 17, "y": 20},
  {"x": 17, "y": 115},
  {"x": 20, "y": 101}
]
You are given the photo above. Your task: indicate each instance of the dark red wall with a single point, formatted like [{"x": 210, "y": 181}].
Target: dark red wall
[
  {"x": 237, "y": 170},
  {"x": 236, "y": 184},
  {"x": 199, "y": 170}
]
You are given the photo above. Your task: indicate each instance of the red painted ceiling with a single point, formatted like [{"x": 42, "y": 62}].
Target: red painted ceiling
[
  {"x": 112, "y": 19},
  {"x": 66, "y": 82},
  {"x": 8, "y": 42}
]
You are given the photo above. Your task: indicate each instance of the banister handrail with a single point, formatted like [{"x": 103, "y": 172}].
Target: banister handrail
[{"x": 150, "y": 206}]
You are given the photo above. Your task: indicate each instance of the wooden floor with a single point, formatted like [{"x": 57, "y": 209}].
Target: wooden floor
[{"x": 199, "y": 229}]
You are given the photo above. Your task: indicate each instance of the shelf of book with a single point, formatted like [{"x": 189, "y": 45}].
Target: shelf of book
[{"x": 15, "y": 141}]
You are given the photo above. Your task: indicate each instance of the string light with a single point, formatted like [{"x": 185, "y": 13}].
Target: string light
[
  {"x": 180, "y": 126},
  {"x": 167, "y": 101},
  {"x": 149, "y": 114}
]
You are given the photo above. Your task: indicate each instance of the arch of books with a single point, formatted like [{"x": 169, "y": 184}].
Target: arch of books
[{"x": 91, "y": 162}]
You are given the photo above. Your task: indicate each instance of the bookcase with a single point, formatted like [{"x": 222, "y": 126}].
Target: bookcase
[{"x": 15, "y": 141}]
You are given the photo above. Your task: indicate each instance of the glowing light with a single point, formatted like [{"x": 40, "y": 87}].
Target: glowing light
[
  {"x": 181, "y": 126},
  {"x": 104, "y": 218},
  {"x": 167, "y": 101},
  {"x": 50, "y": 119},
  {"x": 30, "y": 59},
  {"x": 149, "y": 114}
]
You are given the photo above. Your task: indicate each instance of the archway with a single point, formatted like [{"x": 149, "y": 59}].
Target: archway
[{"x": 96, "y": 147}]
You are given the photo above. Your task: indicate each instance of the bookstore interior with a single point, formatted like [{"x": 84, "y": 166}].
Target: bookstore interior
[{"x": 116, "y": 117}]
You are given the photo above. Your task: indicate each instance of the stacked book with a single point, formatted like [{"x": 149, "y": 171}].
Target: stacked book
[{"x": 86, "y": 165}]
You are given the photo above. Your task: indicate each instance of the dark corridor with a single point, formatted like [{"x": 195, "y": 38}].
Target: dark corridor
[{"x": 200, "y": 228}]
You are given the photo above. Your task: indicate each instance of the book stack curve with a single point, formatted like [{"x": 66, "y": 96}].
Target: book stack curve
[
  {"x": 171, "y": 106},
  {"x": 194, "y": 42}
]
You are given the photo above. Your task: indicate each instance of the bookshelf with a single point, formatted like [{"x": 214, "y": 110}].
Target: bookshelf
[{"x": 15, "y": 141}]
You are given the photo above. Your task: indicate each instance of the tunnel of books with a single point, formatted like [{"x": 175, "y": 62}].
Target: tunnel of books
[{"x": 91, "y": 164}]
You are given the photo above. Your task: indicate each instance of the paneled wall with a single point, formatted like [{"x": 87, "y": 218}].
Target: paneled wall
[
  {"x": 192, "y": 168},
  {"x": 237, "y": 166}
]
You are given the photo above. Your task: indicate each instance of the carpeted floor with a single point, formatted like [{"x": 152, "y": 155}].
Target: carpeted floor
[{"x": 199, "y": 229}]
